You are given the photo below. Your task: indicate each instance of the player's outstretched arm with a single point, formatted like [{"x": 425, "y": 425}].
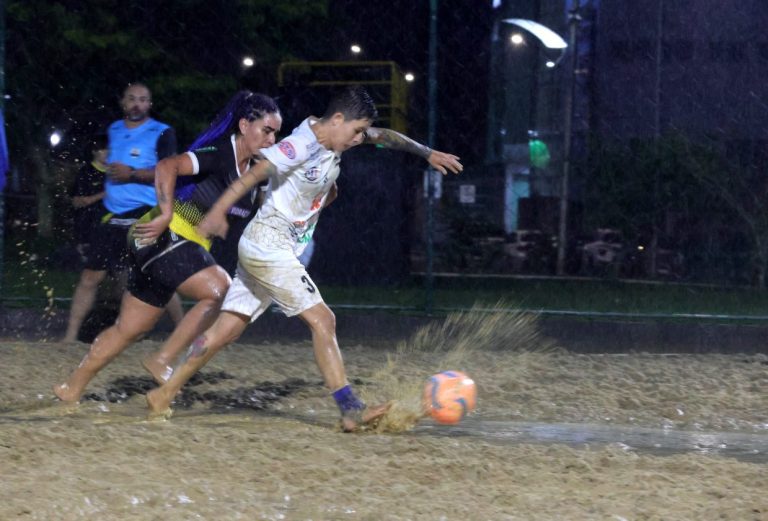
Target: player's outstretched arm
[
  {"x": 443, "y": 162},
  {"x": 215, "y": 221},
  {"x": 392, "y": 139}
]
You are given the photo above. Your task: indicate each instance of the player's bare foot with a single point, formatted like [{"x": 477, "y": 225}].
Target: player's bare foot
[
  {"x": 365, "y": 418},
  {"x": 165, "y": 414},
  {"x": 64, "y": 393},
  {"x": 158, "y": 404},
  {"x": 159, "y": 370}
]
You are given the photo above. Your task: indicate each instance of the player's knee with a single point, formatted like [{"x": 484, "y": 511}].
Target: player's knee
[
  {"x": 209, "y": 307},
  {"x": 330, "y": 320},
  {"x": 217, "y": 282},
  {"x": 324, "y": 322},
  {"x": 219, "y": 289}
]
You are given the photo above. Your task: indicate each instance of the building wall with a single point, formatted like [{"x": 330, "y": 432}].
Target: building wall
[{"x": 711, "y": 78}]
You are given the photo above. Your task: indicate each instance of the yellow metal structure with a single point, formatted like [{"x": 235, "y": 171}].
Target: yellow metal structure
[{"x": 383, "y": 79}]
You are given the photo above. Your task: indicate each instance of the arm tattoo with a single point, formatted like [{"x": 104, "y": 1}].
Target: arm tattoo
[
  {"x": 162, "y": 198},
  {"x": 397, "y": 141}
]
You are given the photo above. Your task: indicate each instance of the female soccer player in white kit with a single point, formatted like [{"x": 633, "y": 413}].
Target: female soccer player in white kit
[{"x": 301, "y": 170}]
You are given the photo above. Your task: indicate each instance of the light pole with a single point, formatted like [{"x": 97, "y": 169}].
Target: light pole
[
  {"x": 654, "y": 245},
  {"x": 552, "y": 40},
  {"x": 562, "y": 233},
  {"x": 429, "y": 173}
]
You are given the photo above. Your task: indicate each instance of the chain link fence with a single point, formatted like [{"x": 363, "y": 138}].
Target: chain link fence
[{"x": 667, "y": 143}]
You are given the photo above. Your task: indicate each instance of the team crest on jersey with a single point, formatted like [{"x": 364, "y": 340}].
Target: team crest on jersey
[
  {"x": 312, "y": 174},
  {"x": 135, "y": 152},
  {"x": 287, "y": 148}
]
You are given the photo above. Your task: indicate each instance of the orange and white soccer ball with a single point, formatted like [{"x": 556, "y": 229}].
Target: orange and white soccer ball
[{"x": 449, "y": 396}]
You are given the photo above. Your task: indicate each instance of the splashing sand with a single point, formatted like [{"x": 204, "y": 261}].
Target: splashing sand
[{"x": 454, "y": 345}]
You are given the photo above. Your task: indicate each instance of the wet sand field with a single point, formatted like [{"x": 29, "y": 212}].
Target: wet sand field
[{"x": 556, "y": 436}]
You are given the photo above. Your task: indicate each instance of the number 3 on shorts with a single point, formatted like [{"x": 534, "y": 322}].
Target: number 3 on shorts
[{"x": 308, "y": 282}]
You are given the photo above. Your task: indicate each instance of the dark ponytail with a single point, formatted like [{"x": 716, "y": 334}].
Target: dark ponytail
[{"x": 244, "y": 104}]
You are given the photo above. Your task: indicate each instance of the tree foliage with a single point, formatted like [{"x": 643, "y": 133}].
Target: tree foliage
[
  {"x": 713, "y": 211},
  {"x": 68, "y": 61}
]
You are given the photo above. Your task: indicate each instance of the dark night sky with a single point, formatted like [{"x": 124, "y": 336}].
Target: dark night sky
[{"x": 398, "y": 30}]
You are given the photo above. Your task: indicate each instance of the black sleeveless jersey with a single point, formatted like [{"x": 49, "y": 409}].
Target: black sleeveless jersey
[{"x": 217, "y": 169}]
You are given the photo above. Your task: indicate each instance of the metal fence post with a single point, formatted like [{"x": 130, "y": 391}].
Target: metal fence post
[
  {"x": 432, "y": 125},
  {"x": 562, "y": 235}
]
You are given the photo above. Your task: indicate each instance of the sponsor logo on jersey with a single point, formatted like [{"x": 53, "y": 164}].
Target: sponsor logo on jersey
[
  {"x": 287, "y": 148},
  {"x": 312, "y": 174},
  {"x": 307, "y": 236},
  {"x": 313, "y": 150},
  {"x": 239, "y": 212}
]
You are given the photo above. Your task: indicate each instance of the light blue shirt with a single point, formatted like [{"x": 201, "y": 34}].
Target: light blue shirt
[{"x": 136, "y": 147}]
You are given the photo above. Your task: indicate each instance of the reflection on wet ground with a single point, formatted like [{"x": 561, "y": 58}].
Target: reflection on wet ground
[{"x": 748, "y": 447}]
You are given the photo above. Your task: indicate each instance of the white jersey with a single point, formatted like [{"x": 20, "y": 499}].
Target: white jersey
[{"x": 306, "y": 171}]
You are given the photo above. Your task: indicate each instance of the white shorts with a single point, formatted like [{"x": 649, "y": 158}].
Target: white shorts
[{"x": 266, "y": 277}]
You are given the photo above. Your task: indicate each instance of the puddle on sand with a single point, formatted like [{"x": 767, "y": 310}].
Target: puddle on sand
[{"x": 748, "y": 447}]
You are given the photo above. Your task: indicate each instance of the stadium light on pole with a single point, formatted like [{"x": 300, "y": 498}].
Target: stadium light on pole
[
  {"x": 517, "y": 39},
  {"x": 551, "y": 40},
  {"x": 548, "y": 38},
  {"x": 248, "y": 61},
  {"x": 55, "y": 138}
]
